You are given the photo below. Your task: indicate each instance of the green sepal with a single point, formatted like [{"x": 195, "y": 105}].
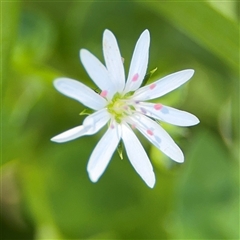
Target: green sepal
[
  {"x": 120, "y": 150},
  {"x": 97, "y": 90},
  {"x": 157, "y": 121},
  {"x": 129, "y": 94},
  {"x": 147, "y": 76},
  {"x": 86, "y": 112}
]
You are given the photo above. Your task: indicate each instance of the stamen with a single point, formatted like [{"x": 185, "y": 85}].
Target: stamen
[
  {"x": 120, "y": 108},
  {"x": 150, "y": 132},
  {"x": 144, "y": 111},
  {"x": 152, "y": 86},
  {"x": 158, "y": 139},
  {"x": 135, "y": 77},
  {"x": 165, "y": 110},
  {"x": 158, "y": 106},
  {"x": 104, "y": 93}
]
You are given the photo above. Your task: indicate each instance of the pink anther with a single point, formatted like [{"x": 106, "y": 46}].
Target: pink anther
[
  {"x": 133, "y": 126},
  {"x": 104, "y": 93},
  {"x": 135, "y": 77},
  {"x": 150, "y": 132},
  {"x": 158, "y": 106},
  {"x": 152, "y": 86}
]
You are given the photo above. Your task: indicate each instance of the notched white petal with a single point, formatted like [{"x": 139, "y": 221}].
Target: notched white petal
[
  {"x": 167, "y": 114},
  {"x": 96, "y": 71},
  {"x": 137, "y": 156},
  {"x": 163, "y": 86},
  {"x": 138, "y": 66},
  {"x": 96, "y": 121},
  {"x": 80, "y": 92},
  {"x": 113, "y": 60},
  {"x": 103, "y": 152},
  {"x": 92, "y": 124},
  {"x": 70, "y": 134},
  {"x": 157, "y": 136}
]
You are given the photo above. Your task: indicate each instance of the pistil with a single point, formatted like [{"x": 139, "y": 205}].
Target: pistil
[{"x": 120, "y": 107}]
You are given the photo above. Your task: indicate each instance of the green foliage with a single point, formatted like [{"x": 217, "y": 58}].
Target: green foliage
[
  {"x": 214, "y": 202},
  {"x": 45, "y": 186},
  {"x": 206, "y": 26},
  {"x": 9, "y": 17}
]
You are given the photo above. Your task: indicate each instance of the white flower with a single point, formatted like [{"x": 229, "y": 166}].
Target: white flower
[{"x": 122, "y": 106}]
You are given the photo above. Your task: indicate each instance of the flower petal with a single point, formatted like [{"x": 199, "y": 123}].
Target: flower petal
[
  {"x": 157, "y": 136},
  {"x": 97, "y": 71},
  {"x": 71, "y": 134},
  {"x": 163, "y": 86},
  {"x": 97, "y": 120},
  {"x": 138, "y": 156},
  {"x": 113, "y": 60},
  {"x": 92, "y": 124},
  {"x": 80, "y": 92},
  {"x": 167, "y": 114},
  {"x": 103, "y": 152},
  {"x": 139, "y": 63}
]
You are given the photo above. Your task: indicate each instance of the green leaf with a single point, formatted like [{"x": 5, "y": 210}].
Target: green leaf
[{"x": 204, "y": 25}]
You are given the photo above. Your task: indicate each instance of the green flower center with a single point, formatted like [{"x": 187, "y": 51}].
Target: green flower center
[{"x": 119, "y": 107}]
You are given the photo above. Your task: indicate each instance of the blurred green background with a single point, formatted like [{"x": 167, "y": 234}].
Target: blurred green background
[{"x": 45, "y": 190}]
